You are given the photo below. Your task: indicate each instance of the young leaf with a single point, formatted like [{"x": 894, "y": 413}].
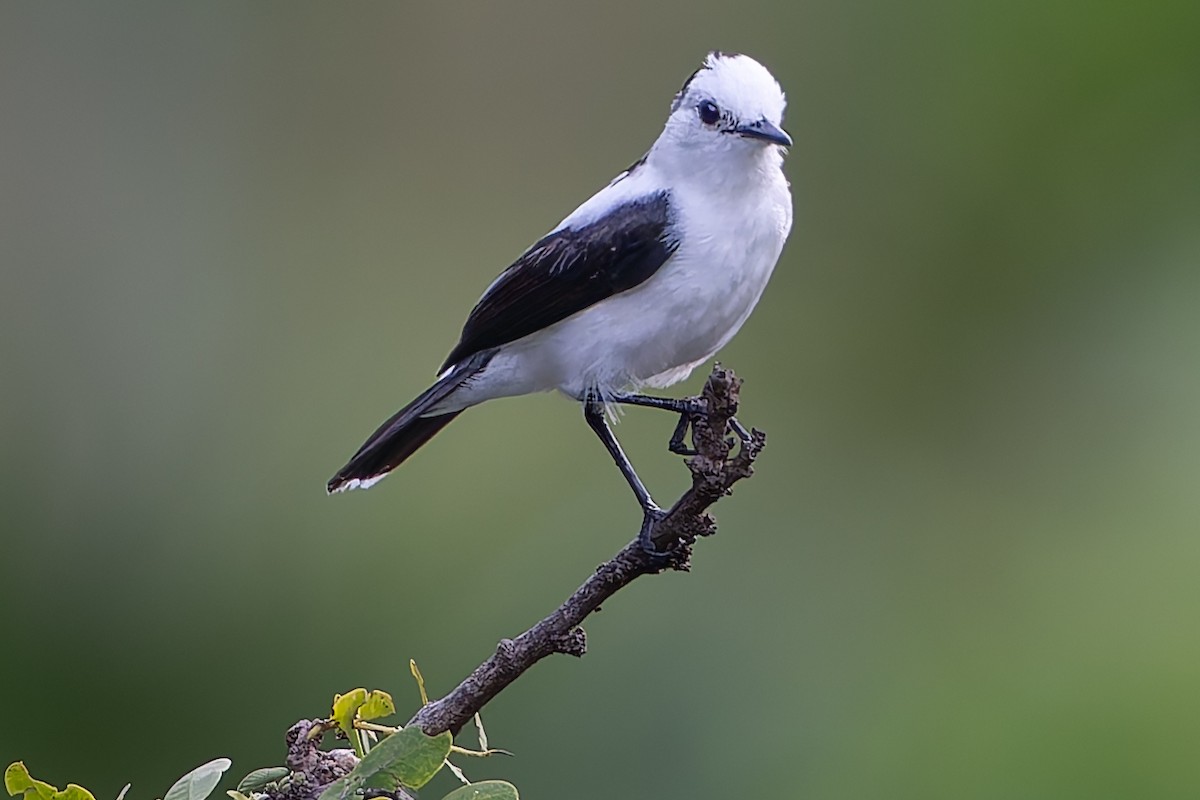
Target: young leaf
[
  {"x": 416, "y": 673},
  {"x": 483, "y": 740},
  {"x": 200, "y": 782},
  {"x": 378, "y": 704},
  {"x": 124, "y": 789},
  {"x": 485, "y": 790},
  {"x": 74, "y": 792},
  {"x": 458, "y": 773},
  {"x": 18, "y": 781},
  {"x": 345, "y": 706},
  {"x": 261, "y": 777}
]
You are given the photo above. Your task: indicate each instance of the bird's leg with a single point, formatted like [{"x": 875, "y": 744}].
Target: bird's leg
[
  {"x": 688, "y": 409},
  {"x": 686, "y": 405},
  {"x": 593, "y": 412}
]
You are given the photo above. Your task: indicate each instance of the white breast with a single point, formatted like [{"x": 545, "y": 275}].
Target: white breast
[{"x": 657, "y": 333}]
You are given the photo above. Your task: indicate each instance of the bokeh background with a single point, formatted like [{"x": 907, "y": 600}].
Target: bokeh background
[{"x": 236, "y": 236}]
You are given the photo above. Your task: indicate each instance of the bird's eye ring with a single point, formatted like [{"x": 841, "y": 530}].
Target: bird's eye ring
[{"x": 709, "y": 113}]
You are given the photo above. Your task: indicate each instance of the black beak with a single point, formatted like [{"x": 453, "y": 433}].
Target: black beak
[{"x": 766, "y": 131}]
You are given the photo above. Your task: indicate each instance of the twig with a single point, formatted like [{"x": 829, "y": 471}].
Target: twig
[
  {"x": 718, "y": 464},
  {"x": 714, "y": 471}
]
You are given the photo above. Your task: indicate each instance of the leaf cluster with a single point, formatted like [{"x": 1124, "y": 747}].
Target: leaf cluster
[{"x": 389, "y": 762}]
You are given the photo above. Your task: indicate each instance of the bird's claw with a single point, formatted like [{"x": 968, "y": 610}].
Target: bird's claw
[
  {"x": 677, "y": 444},
  {"x": 690, "y": 410},
  {"x": 651, "y": 517}
]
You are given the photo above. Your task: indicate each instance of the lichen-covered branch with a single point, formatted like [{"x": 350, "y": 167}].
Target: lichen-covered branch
[{"x": 720, "y": 462}]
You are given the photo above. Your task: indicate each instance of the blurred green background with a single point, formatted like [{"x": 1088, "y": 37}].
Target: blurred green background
[{"x": 236, "y": 236}]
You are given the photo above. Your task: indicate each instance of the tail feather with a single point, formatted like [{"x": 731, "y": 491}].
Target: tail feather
[
  {"x": 408, "y": 429},
  {"x": 385, "y": 451}
]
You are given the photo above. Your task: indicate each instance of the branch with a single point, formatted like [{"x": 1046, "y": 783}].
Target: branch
[
  {"x": 718, "y": 464},
  {"x": 714, "y": 471}
]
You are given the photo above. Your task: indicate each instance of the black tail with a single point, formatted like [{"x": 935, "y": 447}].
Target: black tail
[{"x": 405, "y": 432}]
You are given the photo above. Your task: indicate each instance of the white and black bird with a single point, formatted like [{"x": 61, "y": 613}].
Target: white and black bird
[{"x": 641, "y": 284}]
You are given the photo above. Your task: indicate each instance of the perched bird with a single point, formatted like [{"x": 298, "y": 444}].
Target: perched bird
[{"x": 641, "y": 284}]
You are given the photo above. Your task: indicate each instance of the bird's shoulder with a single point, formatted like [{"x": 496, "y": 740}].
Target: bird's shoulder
[
  {"x": 635, "y": 185},
  {"x": 613, "y": 242}
]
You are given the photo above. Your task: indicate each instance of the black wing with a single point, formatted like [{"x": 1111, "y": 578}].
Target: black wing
[{"x": 568, "y": 271}]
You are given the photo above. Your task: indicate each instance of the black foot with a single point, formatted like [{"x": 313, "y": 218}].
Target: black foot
[
  {"x": 677, "y": 445},
  {"x": 650, "y": 518},
  {"x": 688, "y": 409}
]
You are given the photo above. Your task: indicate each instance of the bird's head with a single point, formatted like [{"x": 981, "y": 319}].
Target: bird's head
[{"x": 729, "y": 109}]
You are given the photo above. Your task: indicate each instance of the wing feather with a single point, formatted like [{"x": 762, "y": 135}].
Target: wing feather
[{"x": 568, "y": 271}]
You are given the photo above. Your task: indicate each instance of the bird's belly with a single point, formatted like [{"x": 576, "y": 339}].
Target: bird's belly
[{"x": 656, "y": 334}]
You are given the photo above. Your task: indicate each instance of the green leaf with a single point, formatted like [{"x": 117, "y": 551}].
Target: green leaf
[
  {"x": 74, "y": 792},
  {"x": 261, "y": 777},
  {"x": 485, "y": 790},
  {"x": 378, "y": 704},
  {"x": 234, "y": 794},
  {"x": 200, "y": 782},
  {"x": 17, "y": 781},
  {"x": 345, "y": 706},
  {"x": 407, "y": 757},
  {"x": 411, "y": 758}
]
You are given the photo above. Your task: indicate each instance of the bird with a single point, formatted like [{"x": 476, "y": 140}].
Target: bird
[{"x": 635, "y": 288}]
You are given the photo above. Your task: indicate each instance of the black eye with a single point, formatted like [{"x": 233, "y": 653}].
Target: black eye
[{"x": 709, "y": 113}]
